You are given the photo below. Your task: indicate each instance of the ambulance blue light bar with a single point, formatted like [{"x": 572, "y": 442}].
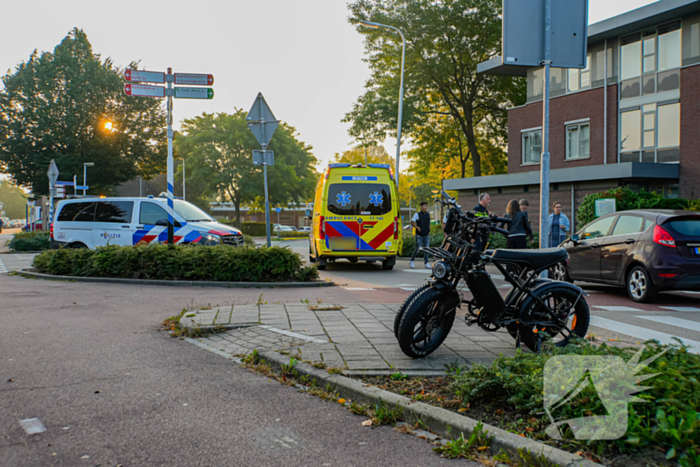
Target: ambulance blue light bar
[
  {"x": 338, "y": 166},
  {"x": 379, "y": 166}
]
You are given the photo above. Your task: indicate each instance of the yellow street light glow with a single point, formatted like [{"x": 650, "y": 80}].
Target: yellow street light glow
[{"x": 109, "y": 126}]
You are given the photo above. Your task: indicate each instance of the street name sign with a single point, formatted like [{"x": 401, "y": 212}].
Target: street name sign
[
  {"x": 267, "y": 156},
  {"x": 194, "y": 93},
  {"x": 52, "y": 173},
  {"x": 194, "y": 79},
  {"x": 143, "y": 90},
  {"x": 142, "y": 75}
]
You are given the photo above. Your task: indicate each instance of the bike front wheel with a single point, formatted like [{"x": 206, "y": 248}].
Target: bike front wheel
[{"x": 426, "y": 322}]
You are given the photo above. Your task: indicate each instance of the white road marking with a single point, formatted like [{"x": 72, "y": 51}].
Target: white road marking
[
  {"x": 497, "y": 277},
  {"x": 408, "y": 289},
  {"x": 3, "y": 269},
  {"x": 591, "y": 291},
  {"x": 680, "y": 308},
  {"x": 689, "y": 291},
  {"x": 358, "y": 288},
  {"x": 673, "y": 321},
  {"x": 32, "y": 426},
  {"x": 617, "y": 308},
  {"x": 419, "y": 271},
  {"x": 505, "y": 286},
  {"x": 643, "y": 334},
  {"x": 293, "y": 334},
  {"x": 403, "y": 285}
]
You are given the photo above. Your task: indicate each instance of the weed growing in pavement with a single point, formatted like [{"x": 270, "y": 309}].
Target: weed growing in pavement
[
  {"x": 304, "y": 301},
  {"x": 398, "y": 376},
  {"x": 260, "y": 300},
  {"x": 326, "y": 307},
  {"x": 383, "y": 415},
  {"x": 289, "y": 369},
  {"x": 190, "y": 315},
  {"x": 172, "y": 325},
  {"x": 252, "y": 358},
  {"x": 358, "y": 409},
  {"x": 334, "y": 370},
  {"x": 469, "y": 448},
  {"x": 319, "y": 365}
]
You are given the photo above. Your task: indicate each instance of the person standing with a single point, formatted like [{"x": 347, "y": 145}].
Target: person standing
[
  {"x": 559, "y": 225},
  {"x": 481, "y": 210},
  {"x": 519, "y": 228},
  {"x": 421, "y": 222},
  {"x": 524, "y": 205}
]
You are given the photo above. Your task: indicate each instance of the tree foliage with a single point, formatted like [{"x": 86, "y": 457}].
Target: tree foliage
[
  {"x": 376, "y": 154},
  {"x": 13, "y": 199},
  {"x": 445, "y": 40},
  {"x": 55, "y": 106},
  {"x": 218, "y": 149}
]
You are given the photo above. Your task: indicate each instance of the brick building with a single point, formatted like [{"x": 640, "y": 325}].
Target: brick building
[{"x": 631, "y": 117}]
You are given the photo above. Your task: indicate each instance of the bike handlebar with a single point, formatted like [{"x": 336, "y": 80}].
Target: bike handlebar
[{"x": 499, "y": 230}]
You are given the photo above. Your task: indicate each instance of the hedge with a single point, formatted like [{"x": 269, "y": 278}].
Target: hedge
[
  {"x": 626, "y": 199},
  {"x": 295, "y": 234},
  {"x": 254, "y": 229},
  {"x": 29, "y": 241},
  {"x": 179, "y": 262}
]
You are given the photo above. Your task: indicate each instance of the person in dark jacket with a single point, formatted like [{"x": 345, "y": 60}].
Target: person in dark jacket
[
  {"x": 421, "y": 222},
  {"x": 519, "y": 229}
]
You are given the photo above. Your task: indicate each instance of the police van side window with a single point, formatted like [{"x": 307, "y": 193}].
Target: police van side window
[
  {"x": 151, "y": 214},
  {"x": 77, "y": 212},
  {"x": 118, "y": 212}
]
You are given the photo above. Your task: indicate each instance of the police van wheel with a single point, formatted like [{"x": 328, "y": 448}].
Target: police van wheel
[
  {"x": 78, "y": 246},
  {"x": 321, "y": 264}
]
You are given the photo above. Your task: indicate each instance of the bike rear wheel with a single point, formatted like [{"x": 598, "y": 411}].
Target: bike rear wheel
[
  {"x": 421, "y": 331},
  {"x": 569, "y": 306}
]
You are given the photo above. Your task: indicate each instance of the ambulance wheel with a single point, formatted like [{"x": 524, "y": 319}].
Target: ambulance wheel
[
  {"x": 388, "y": 264},
  {"x": 353, "y": 260},
  {"x": 321, "y": 263}
]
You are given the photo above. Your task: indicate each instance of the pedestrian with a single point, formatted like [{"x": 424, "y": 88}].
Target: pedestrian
[
  {"x": 421, "y": 222},
  {"x": 519, "y": 228},
  {"x": 559, "y": 225},
  {"x": 481, "y": 210},
  {"x": 524, "y": 205}
]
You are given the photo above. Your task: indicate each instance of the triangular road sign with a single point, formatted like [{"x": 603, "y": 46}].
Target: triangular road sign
[
  {"x": 269, "y": 130},
  {"x": 260, "y": 111},
  {"x": 52, "y": 173}
]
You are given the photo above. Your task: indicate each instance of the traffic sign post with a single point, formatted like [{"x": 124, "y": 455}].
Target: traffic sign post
[
  {"x": 53, "y": 178},
  {"x": 263, "y": 124},
  {"x": 260, "y": 157},
  {"x": 169, "y": 92},
  {"x": 278, "y": 210}
]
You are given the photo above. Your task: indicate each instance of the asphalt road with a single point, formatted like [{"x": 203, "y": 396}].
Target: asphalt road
[{"x": 88, "y": 361}]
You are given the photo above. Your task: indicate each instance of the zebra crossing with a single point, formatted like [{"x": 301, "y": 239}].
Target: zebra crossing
[{"x": 3, "y": 269}]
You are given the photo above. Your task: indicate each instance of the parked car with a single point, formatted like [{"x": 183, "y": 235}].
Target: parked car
[
  {"x": 305, "y": 228},
  {"x": 284, "y": 228},
  {"x": 91, "y": 223},
  {"x": 646, "y": 251},
  {"x": 37, "y": 226}
]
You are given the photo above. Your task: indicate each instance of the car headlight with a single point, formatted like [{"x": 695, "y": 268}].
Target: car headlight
[
  {"x": 210, "y": 240},
  {"x": 441, "y": 269}
]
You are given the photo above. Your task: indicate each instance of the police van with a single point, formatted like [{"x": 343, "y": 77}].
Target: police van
[
  {"x": 355, "y": 216},
  {"x": 96, "y": 222}
]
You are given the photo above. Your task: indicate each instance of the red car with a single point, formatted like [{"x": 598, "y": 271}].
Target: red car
[{"x": 37, "y": 226}]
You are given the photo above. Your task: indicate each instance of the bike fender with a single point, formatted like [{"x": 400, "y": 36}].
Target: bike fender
[
  {"x": 542, "y": 286},
  {"x": 452, "y": 294}
]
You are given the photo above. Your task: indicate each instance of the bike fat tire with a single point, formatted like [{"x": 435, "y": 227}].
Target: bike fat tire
[
  {"x": 405, "y": 304},
  {"x": 412, "y": 317},
  {"x": 581, "y": 312}
]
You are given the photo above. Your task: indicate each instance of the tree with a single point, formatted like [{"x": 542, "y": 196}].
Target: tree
[
  {"x": 446, "y": 39},
  {"x": 13, "y": 199},
  {"x": 70, "y": 106},
  {"x": 218, "y": 149},
  {"x": 376, "y": 154}
]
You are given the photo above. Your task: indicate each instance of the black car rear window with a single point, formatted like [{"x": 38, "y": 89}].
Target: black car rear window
[
  {"x": 688, "y": 226},
  {"x": 355, "y": 199},
  {"x": 77, "y": 212}
]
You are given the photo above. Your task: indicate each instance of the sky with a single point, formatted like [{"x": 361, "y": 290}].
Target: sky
[{"x": 303, "y": 55}]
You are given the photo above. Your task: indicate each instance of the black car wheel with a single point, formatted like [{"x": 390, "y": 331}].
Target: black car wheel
[
  {"x": 640, "y": 288},
  {"x": 560, "y": 272}
]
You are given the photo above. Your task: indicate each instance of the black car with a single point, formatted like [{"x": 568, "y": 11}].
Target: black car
[{"x": 646, "y": 251}]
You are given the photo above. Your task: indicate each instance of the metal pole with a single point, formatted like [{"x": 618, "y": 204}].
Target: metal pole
[
  {"x": 544, "y": 161},
  {"x": 605, "y": 104},
  {"x": 264, "y": 157},
  {"x": 183, "y": 179},
  {"x": 140, "y": 187},
  {"x": 398, "y": 132},
  {"x": 84, "y": 179},
  {"x": 75, "y": 184},
  {"x": 169, "y": 97},
  {"x": 365, "y": 156},
  {"x": 46, "y": 227}
]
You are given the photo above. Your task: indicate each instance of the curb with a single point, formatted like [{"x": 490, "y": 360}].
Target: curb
[
  {"x": 12, "y": 252},
  {"x": 229, "y": 285},
  {"x": 442, "y": 421}
]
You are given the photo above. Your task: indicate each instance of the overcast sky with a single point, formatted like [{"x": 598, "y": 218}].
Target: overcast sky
[{"x": 302, "y": 55}]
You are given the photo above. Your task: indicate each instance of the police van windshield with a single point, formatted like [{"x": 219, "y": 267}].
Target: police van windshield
[
  {"x": 189, "y": 212},
  {"x": 355, "y": 199}
]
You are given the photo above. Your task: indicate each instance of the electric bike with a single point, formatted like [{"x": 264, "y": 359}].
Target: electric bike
[{"x": 535, "y": 309}]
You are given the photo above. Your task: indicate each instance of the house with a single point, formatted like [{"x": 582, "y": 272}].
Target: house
[{"x": 631, "y": 117}]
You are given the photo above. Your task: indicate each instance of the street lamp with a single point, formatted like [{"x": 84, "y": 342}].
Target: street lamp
[
  {"x": 183, "y": 178},
  {"x": 403, "y": 58},
  {"x": 85, "y": 166}
]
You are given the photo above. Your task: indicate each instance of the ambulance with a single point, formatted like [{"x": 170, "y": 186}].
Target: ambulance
[{"x": 355, "y": 216}]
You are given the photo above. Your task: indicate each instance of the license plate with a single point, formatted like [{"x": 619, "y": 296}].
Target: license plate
[{"x": 342, "y": 243}]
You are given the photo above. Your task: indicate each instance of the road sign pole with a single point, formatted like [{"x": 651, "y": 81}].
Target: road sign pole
[
  {"x": 544, "y": 162},
  {"x": 50, "y": 202},
  {"x": 267, "y": 199},
  {"x": 169, "y": 104}
]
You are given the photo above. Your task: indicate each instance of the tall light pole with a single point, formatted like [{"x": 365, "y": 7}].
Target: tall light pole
[
  {"x": 183, "y": 179},
  {"x": 403, "y": 58},
  {"x": 85, "y": 166}
]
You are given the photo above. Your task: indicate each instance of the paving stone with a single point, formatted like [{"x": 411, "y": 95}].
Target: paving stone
[
  {"x": 354, "y": 353},
  {"x": 367, "y": 365}
]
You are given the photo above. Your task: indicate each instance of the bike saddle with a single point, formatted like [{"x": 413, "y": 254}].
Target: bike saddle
[{"x": 537, "y": 259}]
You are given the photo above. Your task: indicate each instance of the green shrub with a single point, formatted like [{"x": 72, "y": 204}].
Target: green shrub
[
  {"x": 694, "y": 205},
  {"x": 670, "y": 418},
  {"x": 626, "y": 199},
  {"x": 292, "y": 234},
  {"x": 179, "y": 262},
  {"x": 29, "y": 241},
  {"x": 248, "y": 240}
]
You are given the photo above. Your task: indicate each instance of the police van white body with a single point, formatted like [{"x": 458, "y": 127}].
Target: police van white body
[{"x": 95, "y": 222}]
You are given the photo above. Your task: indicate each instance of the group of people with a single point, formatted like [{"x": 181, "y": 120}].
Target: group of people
[{"x": 519, "y": 230}]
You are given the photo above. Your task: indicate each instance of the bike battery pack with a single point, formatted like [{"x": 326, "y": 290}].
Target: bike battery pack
[{"x": 486, "y": 294}]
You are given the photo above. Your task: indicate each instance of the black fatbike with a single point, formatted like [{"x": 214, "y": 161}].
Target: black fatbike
[{"x": 535, "y": 309}]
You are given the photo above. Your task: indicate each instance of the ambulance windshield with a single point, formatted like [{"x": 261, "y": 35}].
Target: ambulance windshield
[{"x": 359, "y": 199}]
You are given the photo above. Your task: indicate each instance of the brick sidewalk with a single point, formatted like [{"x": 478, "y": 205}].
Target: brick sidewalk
[{"x": 358, "y": 338}]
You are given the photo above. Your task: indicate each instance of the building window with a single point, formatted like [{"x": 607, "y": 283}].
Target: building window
[
  {"x": 580, "y": 79},
  {"x": 651, "y": 133},
  {"x": 650, "y": 61},
  {"x": 500, "y": 190},
  {"x": 532, "y": 146},
  {"x": 578, "y": 141},
  {"x": 526, "y": 188}
]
